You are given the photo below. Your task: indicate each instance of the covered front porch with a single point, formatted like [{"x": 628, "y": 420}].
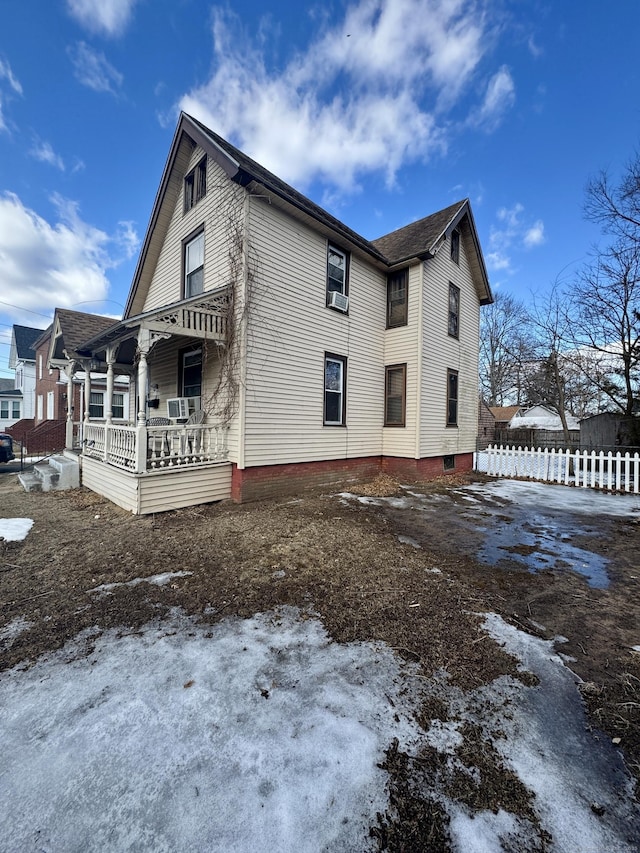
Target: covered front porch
[{"x": 158, "y": 459}]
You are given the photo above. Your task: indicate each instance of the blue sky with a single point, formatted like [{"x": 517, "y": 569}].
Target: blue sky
[{"x": 383, "y": 111}]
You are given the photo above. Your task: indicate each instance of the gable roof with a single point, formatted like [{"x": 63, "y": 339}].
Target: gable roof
[
  {"x": 23, "y": 338},
  {"x": 7, "y": 385},
  {"x": 385, "y": 252},
  {"x": 72, "y": 328},
  {"x": 504, "y": 413}
]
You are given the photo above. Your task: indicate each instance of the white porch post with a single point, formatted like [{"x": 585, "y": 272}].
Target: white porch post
[
  {"x": 143, "y": 374},
  {"x": 68, "y": 375},
  {"x": 87, "y": 389},
  {"x": 146, "y": 341},
  {"x": 111, "y": 357}
]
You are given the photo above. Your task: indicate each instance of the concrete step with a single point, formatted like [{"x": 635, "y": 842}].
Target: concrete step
[
  {"x": 30, "y": 481},
  {"x": 57, "y": 474}
]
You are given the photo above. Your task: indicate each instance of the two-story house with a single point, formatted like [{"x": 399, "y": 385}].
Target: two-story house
[
  {"x": 22, "y": 359},
  {"x": 280, "y": 347}
]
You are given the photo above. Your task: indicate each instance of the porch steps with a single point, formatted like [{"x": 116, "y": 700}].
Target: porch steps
[{"x": 58, "y": 474}]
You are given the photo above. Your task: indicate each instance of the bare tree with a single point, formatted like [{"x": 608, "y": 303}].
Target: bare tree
[
  {"x": 503, "y": 350},
  {"x": 607, "y": 320},
  {"x": 616, "y": 206},
  {"x": 551, "y": 326}
]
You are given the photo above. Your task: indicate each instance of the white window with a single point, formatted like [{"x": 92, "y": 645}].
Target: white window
[
  {"x": 337, "y": 272},
  {"x": 40, "y": 366},
  {"x": 15, "y": 409},
  {"x": 4, "y": 410},
  {"x": 96, "y": 404},
  {"x": 334, "y": 389},
  {"x": 40, "y": 407},
  {"x": 194, "y": 266},
  {"x": 117, "y": 406}
]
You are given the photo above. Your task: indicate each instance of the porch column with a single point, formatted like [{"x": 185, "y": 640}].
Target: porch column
[
  {"x": 68, "y": 375},
  {"x": 87, "y": 389},
  {"x": 143, "y": 374},
  {"x": 146, "y": 340},
  {"x": 111, "y": 357}
]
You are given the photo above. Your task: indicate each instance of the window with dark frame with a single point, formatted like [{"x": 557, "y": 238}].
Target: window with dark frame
[
  {"x": 397, "y": 298},
  {"x": 96, "y": 404},
  {"x": 452, "y": 398},
  {"x": 449, "y": 462},
  {"x": 454, "y": 311},
  {"x": 455, "y": 246},
  {"x": 195, "y": 185},
  {"x": 191, "y": 373},
  {"x": 194, "y": 266},
  {"x": 395, "y": 394},
  {"x": 337, "y": 271},
  {"x": 335, "y": 367},
  {"x": 117, "y": 406}
]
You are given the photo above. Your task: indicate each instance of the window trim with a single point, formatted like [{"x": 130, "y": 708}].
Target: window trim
[
  {"x": 387, "y": 373},
  {"x": 391, "y": 279},
  {"x": 347, "y": 264},
  {"x": 190, "y": 238},
  {"x": 455, "y": 246},
  {"x": 196, "y": 182},
  {"x": 455, "y": 290},
  {"x": 342, "y": 360},
  {"x": 450, "y": 374}
]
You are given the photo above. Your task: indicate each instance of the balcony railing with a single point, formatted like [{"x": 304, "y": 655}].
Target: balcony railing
[{"x": 153, "y": 448}]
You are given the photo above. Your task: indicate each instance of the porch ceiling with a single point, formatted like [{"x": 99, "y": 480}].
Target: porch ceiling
[{"x": 203, "y": 316}]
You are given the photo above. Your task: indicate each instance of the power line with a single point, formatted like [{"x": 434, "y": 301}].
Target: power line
[{"x": 28, "y": 310}]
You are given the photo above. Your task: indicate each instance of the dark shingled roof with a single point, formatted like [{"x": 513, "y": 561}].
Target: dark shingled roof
[
  {"x": 77, "y": 327},
  {"x": 7, "y": 385},
  {"x": 418, "y": 238},
  {"x": 25, "y": 337},
  {"x": 253, "y": 170}
]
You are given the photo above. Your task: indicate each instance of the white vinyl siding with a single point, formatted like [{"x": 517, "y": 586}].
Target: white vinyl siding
[
  {"x": 401, "y": 347},
  {"x": 222, "y": 201},
  {"x": 441, "y": 352},
  {"x": 157, "y": 491},
  {"x": 289, "y": 333}
]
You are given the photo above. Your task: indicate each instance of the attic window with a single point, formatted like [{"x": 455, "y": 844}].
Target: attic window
[
  {"x": 195, "y": 185},
  {"x": 455, "y": 246}
]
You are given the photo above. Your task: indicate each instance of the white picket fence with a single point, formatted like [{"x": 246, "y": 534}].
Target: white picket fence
[{"x": 615, "y": 472}]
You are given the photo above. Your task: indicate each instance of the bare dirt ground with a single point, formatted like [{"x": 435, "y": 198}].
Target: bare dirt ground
[{"x": 343, "y": 561}]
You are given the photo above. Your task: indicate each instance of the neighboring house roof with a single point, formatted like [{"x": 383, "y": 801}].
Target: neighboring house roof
[
  {"x": 539, "y": 417},
  {"x": 504, "y": 413},
  {"x": 22, "y": 341},
  {"x": 10, "y": 392},
  {"x": 418, "y": 240},
  {"x": 72, "y": 328},
  {"x": 7, "y": 385}
]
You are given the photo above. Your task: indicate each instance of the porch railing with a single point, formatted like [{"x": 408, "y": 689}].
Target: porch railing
[{"x": 151, "y": 448}]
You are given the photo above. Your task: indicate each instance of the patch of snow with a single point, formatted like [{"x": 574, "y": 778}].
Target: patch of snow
[
  {"x": 264, "y": 735},
  {"x": 635, "y": 648},
  {"x": 444, "y": 737},
  {"x": 15, "y": 529},
  {"x": 14, "y": 628},
  {"x": 569, "y": 498},
  {"x": 161, "y": 579},
  {"x": 434, "y": 571},
  {"x": 553, "y": 753},
  {"x": 483, "y": 832},
  {"x": 407, "y": 540}
]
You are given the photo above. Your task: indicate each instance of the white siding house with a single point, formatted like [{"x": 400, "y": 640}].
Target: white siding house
[{"x": 280, "y": 348}]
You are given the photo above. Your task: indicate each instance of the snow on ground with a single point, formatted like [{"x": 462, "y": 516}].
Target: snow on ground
[
  {"x": 569, "y": 498},
  {"x": 14, "y": 628},
  {"x": 15, "y": 529},
  {"x": 262, "y": 734},
  {"x": 161, "y": 579}
]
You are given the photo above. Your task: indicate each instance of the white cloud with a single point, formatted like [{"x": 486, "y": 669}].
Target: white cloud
[
  {"x": 108, "y": 17},
  {"x": 7, "y": 75},
  {"x": 534, "y": 236},
  {"x": 499, "y": 97},
  {"x": 44, "y": 152},
  {"x": 46, "y": 265},
  {"x": 92, "y": 69},
  {"x": 512, "y": 234},
  {"x": 371, "y": 93}
]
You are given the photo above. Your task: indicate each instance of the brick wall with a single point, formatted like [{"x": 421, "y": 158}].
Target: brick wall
[{"x": 268, "y": 481}]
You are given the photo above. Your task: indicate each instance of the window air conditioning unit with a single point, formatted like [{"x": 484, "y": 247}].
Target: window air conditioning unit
[
  {"x": 339, "y": 301},
  {"x": 178, "y": 408}
]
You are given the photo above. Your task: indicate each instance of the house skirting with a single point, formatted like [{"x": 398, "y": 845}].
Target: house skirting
[
  {"x": 268, "y": 481},
  {"x": 158, "y": 491}
]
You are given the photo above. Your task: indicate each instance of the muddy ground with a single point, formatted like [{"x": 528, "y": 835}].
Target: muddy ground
[{"x": 343, "y": 561}]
